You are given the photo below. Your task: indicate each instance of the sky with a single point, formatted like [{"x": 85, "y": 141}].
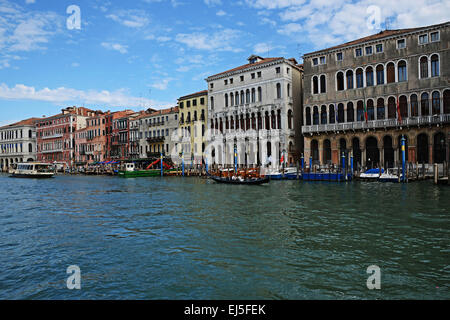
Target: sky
[{"x": 115, "y": 55}]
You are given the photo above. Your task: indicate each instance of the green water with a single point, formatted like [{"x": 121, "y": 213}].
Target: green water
[{"x": 175, "y": 238}]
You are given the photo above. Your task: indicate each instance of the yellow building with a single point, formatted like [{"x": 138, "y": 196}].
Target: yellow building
[{"x": 193, "y": 115}]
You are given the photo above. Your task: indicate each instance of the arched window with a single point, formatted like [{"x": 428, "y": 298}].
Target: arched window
[
  {"x": 414, "y": 106},
  {"x": 247, "y": 96},
  {"x": 370, "y": 110},
  {"x": 369, "y": 77},
  {"x": 226, "y": 100},
  {"x": 323, "y": 84},
  {"x": 390, "y": 70},
  {"x": 340, "y": 81},
  {"x": 423, "y": 67},
  {"x": 332, "y": 114},
  {"x": 236, "y": 98},
  {"x": 316, "y": 115},
  {"x": 435, "y": 65},
  {"x": 341, "y": 116},
  {"x": 424, "y": 104},
  {"x": 259, "y": 94},
  {"x": 278, "y": 91},
  {"x": 288, "y": 89},
  {"x": 30, "y": 147},
  {"x": 290, "y": 117},
  {"x": 349, "y": 76},
  {"x": 232, "y": 99},
  {"x": 359, "y": 78},
  {"x": 350, "y": 112},
  {"x": 30, "y": 134},
  {"x": 323, "y": 115},
  {"x": 403, "y": 103},
  {"x": 360, "y": 111},
  {"x": 253, "y": 95},
  {"x": 380, "y": 109},
  {"x": 308, "y": 116},
  {"x": 315, "y": 81},
  {"x": 212, "y": 102},
  {"x": 447, "y": 101},
  {"x": 402, "y": 74},
  {"x": 380, "y": 74},
  {"x": 242, "y": 97},
  {"x": 392, "y": 113},
  {"x": 436, "y": 103}
]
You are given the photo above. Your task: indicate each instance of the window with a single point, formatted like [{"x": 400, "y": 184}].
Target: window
[
  {"x": 253, "y": 76},
  {"x": 380, "y": 74},
  {"x": 259, "y": 74},
  {"x": 402, "y": 74},
  {"x": 379, "y": 48},
  {"x": 339, "y": 56},
  {"x": 349, "y": 76},
  {"x": 369, "y": 77},
  {"x": 359, "y": 78},
  {"x": 288, "y": 70},
  {"x": 390, "y": 70},
  {"x": 436, "y": 103},
  {"x": 323, "y": 85},
  {"x": 423, "y": 67},
  {"x": 369, "y": 51},
  {"x": 435, "y": 65},
  {"x": 315, "y": 81},
  {"x": 212, "y": 85},
  {"x": 226, "y": 100},
  {"x": 259, "y": 94},
  {"x": 278, "y": 91},
  {"x": 242, "y": 78},
  {"x": 231, "y": 81},
  {"x": 278, "y": 70},
  {"x": 322, "y": 60},
  {"x": 401, "y": 44},
  {"x": 358, "y": 52},
  {"x": 202, "y": 101},
  {"x": 434, "y": 36},
  {"x": 423, "y": 39},
  {"x": 340, "y": 81},
  {"x": 225, "y": 82},
  {"x": 414, "y": 106},
  {"x": 194, "y": 102},
  {"x": 315, "y": 61}
]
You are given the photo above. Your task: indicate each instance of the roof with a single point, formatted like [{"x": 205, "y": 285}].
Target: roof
[
  {"x": 248, "y": 65},
  {"x": 381, "y": 35},
  {"x": 157, "y": 113},
  {"x": 27, "y": 122},
  {"x": 194, "y": 95}
]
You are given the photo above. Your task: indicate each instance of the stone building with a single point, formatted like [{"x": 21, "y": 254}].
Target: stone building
[
  {"x": 151, "y": 133},
  {"x": 193, "y": 115},
  {"x": 55, "y": 135},
  {"x": 362, "y": 97},
  {"x": 255, "y": 108},
  {"x": 17, "y": 143}
]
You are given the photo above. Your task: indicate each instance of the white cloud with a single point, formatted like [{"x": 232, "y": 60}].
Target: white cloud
[
  {"x": 30, "y": 1},
  {"x": 289, "y": 29},
  {"x": 266, "y": 48},
  {"x": 115, "y": 46},
  {"x": 221, "y": 40},
  {"x": 211, "y": 3},
  {"x": 162, "y": 84},
  {"x": 273, "y": 4},
  {"x": 221, "y": 13},
  {"x": 130, "y": 18},
  {"x": 118, "y": 98}
]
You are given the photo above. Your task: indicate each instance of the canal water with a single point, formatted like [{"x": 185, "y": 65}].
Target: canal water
[{"x": 175, "y": 238}]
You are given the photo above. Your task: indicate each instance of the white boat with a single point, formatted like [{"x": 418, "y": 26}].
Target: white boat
[
  {"x": 389, "y": 176},
  {"x": 33, "y": 170},
  {"x": 371, "y": 175}
]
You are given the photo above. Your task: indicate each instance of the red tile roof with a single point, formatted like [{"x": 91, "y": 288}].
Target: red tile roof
[
  {"x": 27, "y": 122},
  {"x": 193, "y": 95},
  {"x": 248, "y": 65},
  {"x": 377, "y": 36}
]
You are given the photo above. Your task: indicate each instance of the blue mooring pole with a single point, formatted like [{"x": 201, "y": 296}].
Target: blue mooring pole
[
  {"x": 403, "y": 159},
  {"x": 182, "y": 163},
  {"x": 351, "y": 164},
  {"x": 162, "y": 168},
  {"x": 206, "y": 164},
  {"x": 310, "y": 164},
  {"x": 235, "y": 159},
  {"x": 343, "y": 166},
  {"x": 303, "y": 162}
]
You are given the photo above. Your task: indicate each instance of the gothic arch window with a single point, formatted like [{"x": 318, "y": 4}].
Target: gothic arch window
[
  {"x": 349, "y": 76},
  {"x": 315, "y": 85},
  {"x": 390, "y": 70},
  {"x": 435, "y": 65},
  {"x": 340, "y": 81},
  {"x": 402, "y": 73},
  {"x": 323, "y": 84},
  {"x": 423, "y": 67}
]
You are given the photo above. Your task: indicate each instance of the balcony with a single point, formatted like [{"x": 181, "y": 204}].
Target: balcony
[
  {"x": 54, "y": 136},
  {"x": 51, "y": 151},
  {"x": 378, "y": 124},
  {"x": 155, "y": 139}
]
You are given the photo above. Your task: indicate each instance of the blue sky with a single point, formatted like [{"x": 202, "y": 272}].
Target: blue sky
[{"x": 143, "y": 53}]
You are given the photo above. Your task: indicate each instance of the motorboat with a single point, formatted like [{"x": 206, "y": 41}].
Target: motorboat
[
  {"x": 33, "y": 170},
  {"x": 240, "y": 180},
  {"x": 389, "y": 176},
  {"x": 371, "y": 175}
]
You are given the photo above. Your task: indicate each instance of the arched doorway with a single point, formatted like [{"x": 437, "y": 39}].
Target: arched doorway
[
  {"x": 422, "y": 148},
  {"x": 399, "y": 143},
  {"x": 388, "y": 149},
  {"x": 372, "y": 152},
  {"x": 327, "y": 151},
  {"x": 356, "y": 151},
  {"x": 439, "y": 150}
]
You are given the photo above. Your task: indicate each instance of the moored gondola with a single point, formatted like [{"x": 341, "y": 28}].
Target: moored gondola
[{"x": 240, "y": 180}]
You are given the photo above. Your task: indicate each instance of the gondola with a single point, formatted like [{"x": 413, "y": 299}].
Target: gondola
[{"x": 253, "y": 181}]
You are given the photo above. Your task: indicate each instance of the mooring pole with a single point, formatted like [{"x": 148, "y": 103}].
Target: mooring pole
[
  {"x": 351, "y": 164},
  {"x": 162, "y": 167},
  {"x": 403, "y": 159},
  {"x": 182, "y": 163}
]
